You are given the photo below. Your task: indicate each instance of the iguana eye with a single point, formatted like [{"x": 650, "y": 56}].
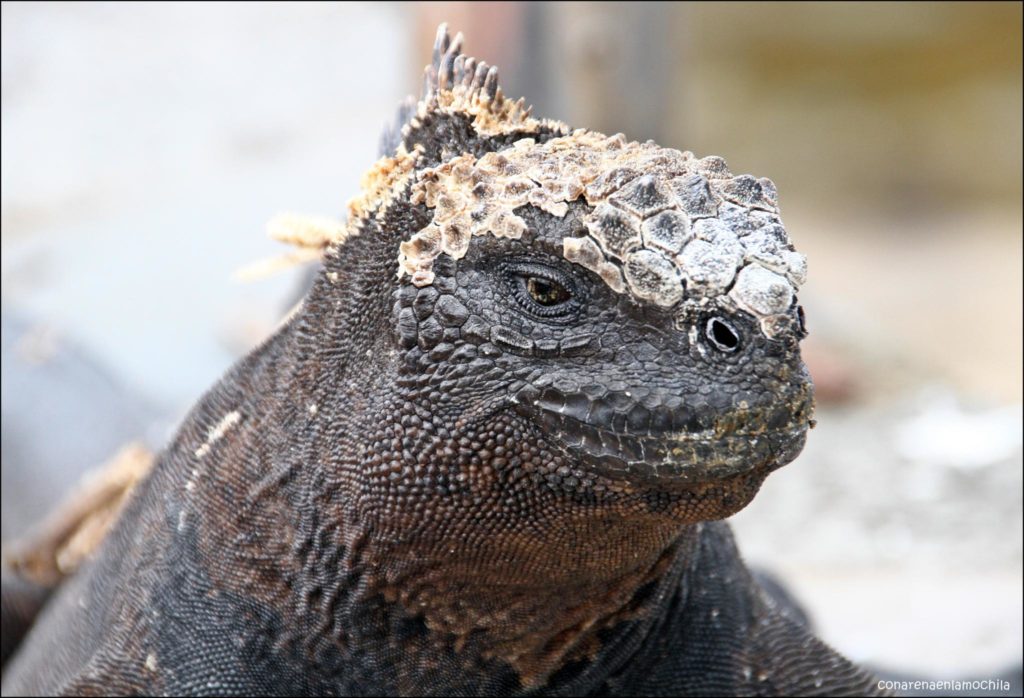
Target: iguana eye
[
  {"x": 546, "y": 292},
  {"x": 542, "y": 290}
]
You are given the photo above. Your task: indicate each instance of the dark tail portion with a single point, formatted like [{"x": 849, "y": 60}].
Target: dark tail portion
[{"x": 21, "y": 603}]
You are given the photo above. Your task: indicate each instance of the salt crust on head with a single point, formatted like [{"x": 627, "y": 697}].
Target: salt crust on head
[{"x": 664, "y": 226}]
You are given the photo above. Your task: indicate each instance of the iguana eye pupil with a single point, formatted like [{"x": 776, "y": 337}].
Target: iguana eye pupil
[{"x": 546, "y": 292}]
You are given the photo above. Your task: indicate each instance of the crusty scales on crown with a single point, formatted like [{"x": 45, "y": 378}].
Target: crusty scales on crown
[{"x": 487, "y": 453}]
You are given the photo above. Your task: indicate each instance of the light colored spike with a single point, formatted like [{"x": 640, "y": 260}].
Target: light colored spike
[
  {"x": 272, "y": 266},
  {"x": 481, "y": 74},
  {"x": 310, "y": 232},
  {"x": 491, "y": 81},
  {"x": 441, "y": 42},
  {"x": 468, "y": 70},
  {"x": 456, "y": 45},
  {"x": 445, "y": 71}
]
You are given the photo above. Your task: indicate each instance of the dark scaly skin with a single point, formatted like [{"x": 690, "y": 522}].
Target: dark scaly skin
[{"x": 424, "y": 490}]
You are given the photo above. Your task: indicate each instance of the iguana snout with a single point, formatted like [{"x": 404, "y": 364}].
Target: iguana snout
[{"x": 655, "y": 436}]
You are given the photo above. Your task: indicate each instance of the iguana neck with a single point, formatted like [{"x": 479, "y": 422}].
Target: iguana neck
[
  {"x": 539, "y": 608},
  {"x": 561, "y": 590},
  {"x": 525, "y": 585}
]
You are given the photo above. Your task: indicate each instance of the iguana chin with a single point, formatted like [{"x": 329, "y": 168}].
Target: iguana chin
[{"x": 487, "y": 453}]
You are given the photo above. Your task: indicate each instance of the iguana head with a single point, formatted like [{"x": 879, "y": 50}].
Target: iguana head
[{"x": 609, "y": 320}]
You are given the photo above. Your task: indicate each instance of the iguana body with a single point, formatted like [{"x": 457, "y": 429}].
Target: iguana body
[{"x": 482, "y": 456}]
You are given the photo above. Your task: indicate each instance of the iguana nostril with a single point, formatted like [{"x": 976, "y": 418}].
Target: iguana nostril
[{"x": 723, "y": 335}]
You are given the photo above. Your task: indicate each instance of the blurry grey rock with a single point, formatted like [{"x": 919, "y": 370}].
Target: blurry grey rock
[{"x": 64, "y": 412}]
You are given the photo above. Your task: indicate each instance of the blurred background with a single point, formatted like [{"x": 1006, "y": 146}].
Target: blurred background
[{"x": 144, "y": 147}]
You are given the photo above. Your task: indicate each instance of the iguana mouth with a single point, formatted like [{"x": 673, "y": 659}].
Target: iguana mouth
[{"x": 676, "y": 446}]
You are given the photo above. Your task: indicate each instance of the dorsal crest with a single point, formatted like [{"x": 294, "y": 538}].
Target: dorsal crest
[{"x": 457, "y": 86}]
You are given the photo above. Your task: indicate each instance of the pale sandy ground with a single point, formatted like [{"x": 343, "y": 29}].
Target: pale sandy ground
[{"x": 137, "y": 175}]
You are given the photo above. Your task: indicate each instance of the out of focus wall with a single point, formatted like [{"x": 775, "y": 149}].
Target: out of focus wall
[{"x": 907, "y": 109}]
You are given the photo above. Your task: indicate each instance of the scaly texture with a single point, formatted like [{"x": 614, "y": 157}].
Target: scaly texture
[
  {"x": 664, "y": 225},
  {"x": 487, "y": 453}
]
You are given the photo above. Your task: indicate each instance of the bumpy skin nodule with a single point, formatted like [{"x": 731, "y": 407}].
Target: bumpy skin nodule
[{"x": 440, "y": 485}]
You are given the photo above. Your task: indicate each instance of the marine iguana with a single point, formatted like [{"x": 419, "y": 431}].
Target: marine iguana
[{"x": 489, "y": 451}]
